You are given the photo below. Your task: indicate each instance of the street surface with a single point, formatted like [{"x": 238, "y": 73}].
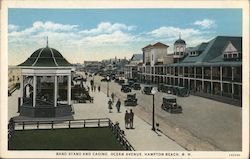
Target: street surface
[
  {"x": 215, "y": 125},
  {"x": 204, "y": 125}
]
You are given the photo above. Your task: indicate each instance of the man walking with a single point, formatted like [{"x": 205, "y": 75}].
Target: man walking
[
  {"x": 131, "y": 119},
  {"x": 126, "y": 119},
  {"x": 99, "y": 88},
  {"x": 113, "y": 97},
  {"x": 110, "y": 105},
  {"x": 118, "y": 105}
]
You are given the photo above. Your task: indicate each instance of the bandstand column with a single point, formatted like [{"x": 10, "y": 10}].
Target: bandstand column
[
  {"x": 211, "y": 75},
  {"x": 21, "y": 88},
  {"x": 34, "y": 91},
  {"x": 202, "y": 77},
  {"x": 221, "y": 84},
  {"x": 195, "y": 78},
  {"x": 232, "y": 93},
  {"x": 69, "y": 90},
  {"x": 55, "y": 91}
]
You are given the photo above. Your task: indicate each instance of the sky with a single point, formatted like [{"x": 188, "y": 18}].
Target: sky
[{"x": 95, "y": 34}]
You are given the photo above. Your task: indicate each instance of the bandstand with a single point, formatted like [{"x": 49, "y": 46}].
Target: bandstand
[{"x": 45, "y": 85}]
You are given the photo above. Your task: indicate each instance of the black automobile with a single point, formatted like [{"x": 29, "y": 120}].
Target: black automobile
[
  {"x": 125, "y": 88},
  {"x": 165, "y": 88},
  {"x": 180, "y": 91},
  {"x": 121, "y": 81},
  {"x": 105, "y": 80},
  {"x": 131, "y": 100},
  {"x": 147, "y": 90},
  {"x": 117, "y": 80},
  {"x": 137, "y": 86},
  {"x": 170, "y": 105}
]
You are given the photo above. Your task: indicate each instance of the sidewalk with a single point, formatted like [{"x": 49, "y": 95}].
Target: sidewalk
[{"x": 142, "y": 137}]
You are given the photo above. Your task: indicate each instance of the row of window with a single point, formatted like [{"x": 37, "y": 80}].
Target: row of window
[{"x": 232, "y": 55}]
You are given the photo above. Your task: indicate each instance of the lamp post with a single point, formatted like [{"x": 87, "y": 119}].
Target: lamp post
[
  {"x": 153, "y": 91},
  {"x": 107, "y": 86}
]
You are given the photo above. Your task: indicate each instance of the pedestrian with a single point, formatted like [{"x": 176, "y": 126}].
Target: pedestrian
[
  {"x": 126, "y": 118},
  {"x": 113, "y": 97},
  {"x": 94, "y": 88},
  {"x": 118, "y": 105},
  {"x": 99, "y": 88},
  {"x": 131, "y": 119},
  {"x": 110, "y": 105}
]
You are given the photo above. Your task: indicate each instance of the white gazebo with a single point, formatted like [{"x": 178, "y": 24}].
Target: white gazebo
[{"x": 45, "y": 85}]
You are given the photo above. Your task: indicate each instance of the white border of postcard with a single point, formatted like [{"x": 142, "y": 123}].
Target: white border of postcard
[{"x": 5, "y": 4}]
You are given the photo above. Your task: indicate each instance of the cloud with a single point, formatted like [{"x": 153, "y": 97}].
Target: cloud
[
  {"x": 205, "y": 23},
  {"x": 12, "y": 27},
  {"x": 107, "y": 27},
  {"x": 105, "y": 40},
  {"x": 171, "y": 32}
]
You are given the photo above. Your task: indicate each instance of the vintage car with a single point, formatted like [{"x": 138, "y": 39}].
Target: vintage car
[
  {"x": 180, "y": 91},
  {"x": 170, "y": 105},
  {"x": 105, "y": 80},
  {"x": 131, "y": 100},
  {"x": 147, "y": 90},
  {"x": 117, "y": 80},
  {"x": 131, "y": 83},
  {"x": 125, "y": 88},
  {"x": 137, "y": 86},
  {"x": 121, "y": 81}
]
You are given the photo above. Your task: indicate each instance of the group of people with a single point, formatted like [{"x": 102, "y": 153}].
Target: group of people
[
  {"x": 93, "y": 88},
  {"x": 110, "y": 103},
  {"x": 129, "y": 119},
  {"x": 129, "y": 116}
]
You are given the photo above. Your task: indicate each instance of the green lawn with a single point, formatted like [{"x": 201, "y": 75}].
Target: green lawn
[{"x": 65, "y": 139}]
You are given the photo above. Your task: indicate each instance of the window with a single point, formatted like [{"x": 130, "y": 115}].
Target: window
[
  {"x": 229, "y": 55},
  {"x": 181, "y": 49},
  {"x": 177, "y": 49},
  {"x": 235, "y": 55},
  {"x": 225, "y": 56}
]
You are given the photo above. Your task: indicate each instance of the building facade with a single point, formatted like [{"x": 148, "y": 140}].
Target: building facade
[
  {"x": 131, "y": 69},
  {"x": 213, "y": 67}
]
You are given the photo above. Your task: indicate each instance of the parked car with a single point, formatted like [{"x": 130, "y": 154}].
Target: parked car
[
  {"x": 170, "y": 105},
  {"x": 165, "y": 88},
  {"x": 175, "y": 90},
  {"x": 137, "y": 86},
  {"x": 147, "y": 90},
  {"x": 117, "y": 80},
  {"x": 105, "y": 80},
  {"x": 125, "y": 88},
  {"x": 131, "y": 81},
  {"x": 121, "y": 81},
  {"x": 131, "y": 100},
  {"x": 180, "y": 91}
]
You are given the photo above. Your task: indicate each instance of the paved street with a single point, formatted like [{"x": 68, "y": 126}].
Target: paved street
[
  {"x": 142, "y": 137},
  {"x": 215, "y": 125},
  {"x": 204, "y": 124}
]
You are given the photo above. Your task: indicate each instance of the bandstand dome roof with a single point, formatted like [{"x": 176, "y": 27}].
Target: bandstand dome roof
[{"x": 46, "y": 57}]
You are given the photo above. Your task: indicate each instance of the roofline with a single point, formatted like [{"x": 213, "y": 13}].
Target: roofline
[{"x": 37, "y": 67}]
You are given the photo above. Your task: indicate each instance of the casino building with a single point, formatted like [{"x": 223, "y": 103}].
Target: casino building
[
  {"x": 45, "y": 85},
  {"x": 212, "y": 68}
]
